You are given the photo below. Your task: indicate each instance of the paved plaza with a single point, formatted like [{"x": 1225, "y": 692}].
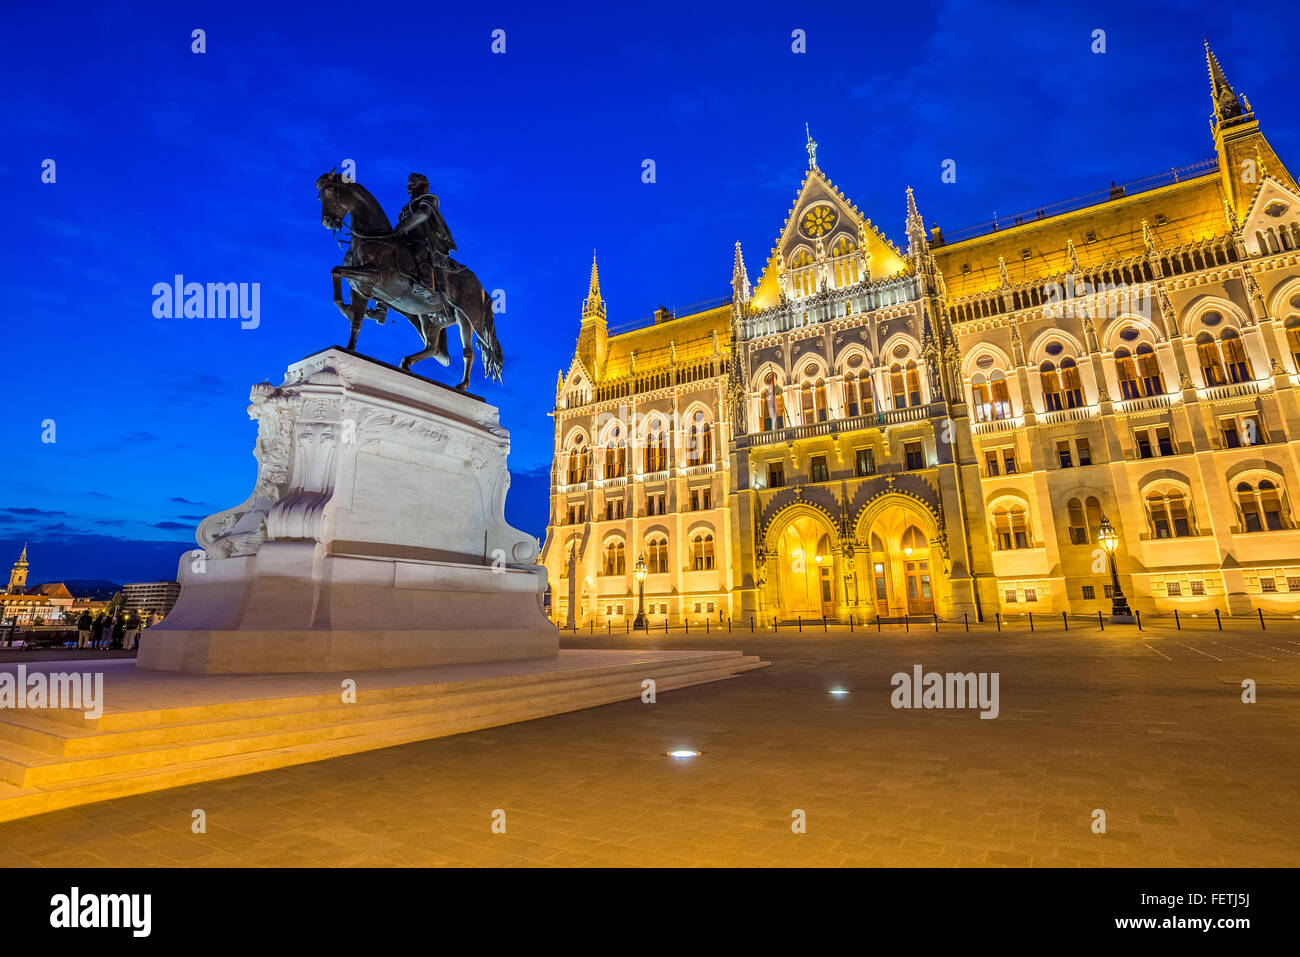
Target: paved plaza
[{"x": 1149, "y": 728}]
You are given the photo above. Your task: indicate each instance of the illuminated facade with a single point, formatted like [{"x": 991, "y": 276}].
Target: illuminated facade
[{"x": 873, "y": 432}]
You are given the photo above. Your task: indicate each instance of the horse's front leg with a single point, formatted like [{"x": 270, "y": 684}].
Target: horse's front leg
[{"x": 337, "y": 276}]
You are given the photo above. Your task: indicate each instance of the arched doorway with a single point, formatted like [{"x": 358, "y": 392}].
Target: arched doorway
[
  {"x": 903, "y": 572},
  {"x": 804, "y": 582}
]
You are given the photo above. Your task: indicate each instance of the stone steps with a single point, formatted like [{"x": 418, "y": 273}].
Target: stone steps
[{"x": 140, "y": 752}]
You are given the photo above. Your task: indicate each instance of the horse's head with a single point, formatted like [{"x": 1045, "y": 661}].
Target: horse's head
[{"x": 335, "y": 199}]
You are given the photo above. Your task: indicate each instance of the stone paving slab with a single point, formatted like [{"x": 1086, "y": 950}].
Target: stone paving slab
[{"x": 1187, "y": 773}]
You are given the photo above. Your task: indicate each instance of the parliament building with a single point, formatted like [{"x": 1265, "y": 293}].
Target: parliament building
[{"x": 868, "y": 430}]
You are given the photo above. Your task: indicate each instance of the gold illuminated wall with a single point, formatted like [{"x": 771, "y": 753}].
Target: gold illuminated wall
[{"x": 940, "y": 429}]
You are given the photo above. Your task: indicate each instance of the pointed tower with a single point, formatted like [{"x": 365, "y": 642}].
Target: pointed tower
[
  {"x": 593, "y": 337},
  {"x": 18, "y": 577},
  {"x": 915, "y": 227},
  {"x": 739, "y": 279},
  {"x": 1245, "y": 156}
]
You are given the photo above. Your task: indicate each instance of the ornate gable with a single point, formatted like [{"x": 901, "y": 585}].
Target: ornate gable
[
  {"x": 1274, "y": 210},
  {"x": 822, "y": 227}
]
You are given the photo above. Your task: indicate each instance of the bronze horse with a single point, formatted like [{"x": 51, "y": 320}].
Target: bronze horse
[{"x": 379, "y": 266}]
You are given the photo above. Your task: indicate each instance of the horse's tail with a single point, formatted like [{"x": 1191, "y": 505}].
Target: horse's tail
[{"x": 488, "y": 344}]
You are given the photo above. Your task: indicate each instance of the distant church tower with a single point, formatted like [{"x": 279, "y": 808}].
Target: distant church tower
[{"x": 18, "y": 577}]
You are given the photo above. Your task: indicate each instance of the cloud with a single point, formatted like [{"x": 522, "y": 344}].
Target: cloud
[
  {"x": 169, "y": 525},
  {"x": 30, "y": 511},
  {"x": 185, "y": 501}
]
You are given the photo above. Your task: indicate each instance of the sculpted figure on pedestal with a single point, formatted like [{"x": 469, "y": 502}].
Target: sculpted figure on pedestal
[{"x": 409, "y": 270}]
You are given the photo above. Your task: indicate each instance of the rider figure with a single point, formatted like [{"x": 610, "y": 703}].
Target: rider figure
[{"x": 425, "y": 231}]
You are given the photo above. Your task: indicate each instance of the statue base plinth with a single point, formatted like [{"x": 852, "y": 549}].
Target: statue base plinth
[{"x": 374, "y": 538}]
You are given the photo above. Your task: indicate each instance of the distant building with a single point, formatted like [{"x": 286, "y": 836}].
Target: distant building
[
  {"x": 47, "y": 603},
  {"x": 151, "y": 597}
]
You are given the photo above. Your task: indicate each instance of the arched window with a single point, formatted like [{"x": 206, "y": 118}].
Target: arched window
[
  {"x": 808, "y": 403},
  {"x": 1148, "y": 368},
  {"x": 699, "y": 442},
  {"x": 851, "y": 406},
  {"x": 1261, "y": 506},
  {"x": 616, "y": 454},
  {"x": 1070, "y": 386},
  {"x": 656, "y": 555},
  {"x": 1293, "y": 339},
  {"x": 898, "y": 385},
  {"x": 570, "y": 557},
  {"x": 1207, "y": 356},
  {"x": 981, "y": 398},
  {"x": 1168, "y": 514},
  {"x": 656, "y": 449},
  {"x": 1126, "y": 372},
  {"x": 614, "y": 558},
  {"x": 913, "y": 383},
  {"x": 773, "y": 404},
  {"x": 1092, "y": 510},
  {"x": 1078, "y": 523},
  {"x": 819, "y": 395},
  {"x": 702, "y": 552},
  {"x": 1051, "y": 381},
  {"x": 579, "y": 463},
  {"x": 802, "y": 274},
  {"x": 1010, "y": 527},
  {"x": 845, "y": 263},
  {"x": 1234, "y": 356}
]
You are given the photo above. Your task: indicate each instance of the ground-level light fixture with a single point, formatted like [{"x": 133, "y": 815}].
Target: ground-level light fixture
[
  {"x": 1108, "y": 539},
  {"x": 838, "y": 692},
  {"x": 683, "y": 753},
  {"x": 639, "y": 573}
]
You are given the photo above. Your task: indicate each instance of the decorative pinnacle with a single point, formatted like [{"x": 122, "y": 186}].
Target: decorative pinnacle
[
  {"x": 593, "y": 306},
  {"x": 811, "y": 147},
  {"x": 913, "y": 217}
]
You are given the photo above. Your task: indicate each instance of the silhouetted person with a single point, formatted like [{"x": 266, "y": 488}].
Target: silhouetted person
[
  {"x": 97, "y": 631},
  {"x": 119, "y": 631},
  {"x": 83, "y": 629}
]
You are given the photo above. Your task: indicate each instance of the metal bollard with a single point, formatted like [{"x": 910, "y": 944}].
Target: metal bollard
[
  {"x": 877, "y": 621},
  {"x": 1065, "y": 621},
  {"x": 801, "y": 624},
  {"x": 751, "y": 624},
  {"x": 688, "y": 625},
  {"x": 936, "y": 621},
  {"x": 728, "y": 624},
  {"x": 1100, "y": 624},
  {"x": 823, "y": 622},
  {"x": 997, "y": 617},
  {"x": 1031, "y": 621},
  {"x": 1261, "y": 619},
  {"x": 706, "y": 626},
  {"x": 965, "y": 617},
  {"x": 907, "y": 625},
  {"x": 1178, "y": 623},
  {"x": 1137, "y": 616},
  {"x": 1217, "y": 620},
  {"x": 850, "y": 624}
]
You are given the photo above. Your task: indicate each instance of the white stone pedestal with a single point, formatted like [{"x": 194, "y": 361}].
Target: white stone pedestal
[{"x": 375, "y": 536}]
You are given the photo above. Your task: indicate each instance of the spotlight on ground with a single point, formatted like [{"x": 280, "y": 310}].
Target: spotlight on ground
[{"x": 683, "y": 753}]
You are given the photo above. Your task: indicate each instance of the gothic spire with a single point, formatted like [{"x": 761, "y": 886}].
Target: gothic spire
[
  {"x": 593, "y": 306},
  {"x": 739, "y": 277},
  {"x": 915, "y": 226},
  {"x": 1222, "y": 96}
]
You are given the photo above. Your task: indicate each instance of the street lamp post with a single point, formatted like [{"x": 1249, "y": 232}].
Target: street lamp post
[
  {"x": 1109, "y": 541},
  {"x": 639, "y": 573}
]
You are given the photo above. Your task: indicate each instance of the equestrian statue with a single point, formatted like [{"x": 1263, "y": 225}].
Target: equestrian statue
[{"x": 408, "y": 269}]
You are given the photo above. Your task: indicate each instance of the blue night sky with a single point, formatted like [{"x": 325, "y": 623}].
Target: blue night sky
[{"x": 171, "y": 162}]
